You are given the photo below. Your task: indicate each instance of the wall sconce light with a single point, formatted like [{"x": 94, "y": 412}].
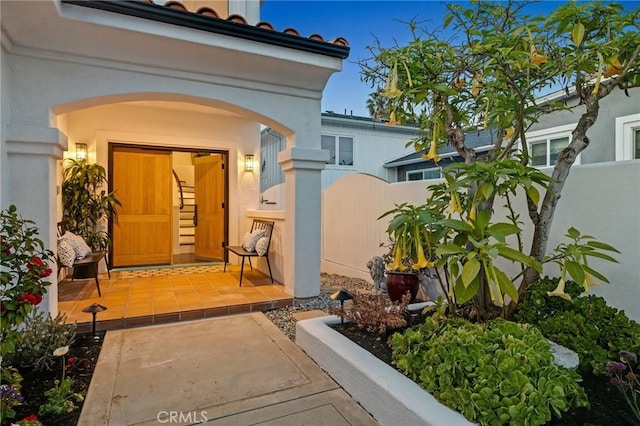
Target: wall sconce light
[
  {"x": 248, "y": 163},
  {"x": 81, "y": 151}
]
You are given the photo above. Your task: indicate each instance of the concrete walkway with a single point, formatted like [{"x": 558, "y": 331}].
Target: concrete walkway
[{"x": 234, "y": 370}]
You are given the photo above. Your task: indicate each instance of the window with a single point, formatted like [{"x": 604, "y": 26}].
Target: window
[
  {"x": 433, "y": 173},
  {"x": 342, "y": 145},
  {"x": 628, "y": 137},
  {"x": 545, "y": 145},
  {"x": 545, "y": 153}
]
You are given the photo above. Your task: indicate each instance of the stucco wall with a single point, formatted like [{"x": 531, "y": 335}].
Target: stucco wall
[{"x": 602, "y": 200}]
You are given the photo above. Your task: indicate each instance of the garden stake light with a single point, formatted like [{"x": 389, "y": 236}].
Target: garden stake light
[
  {"x": 341, "y": 295},
  {"x": 93, "y": 310}
]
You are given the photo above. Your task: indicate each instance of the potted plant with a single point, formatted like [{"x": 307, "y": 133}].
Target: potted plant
[
  {"x": 412, "y": 230},
  {"x": 85, "y": 204}
]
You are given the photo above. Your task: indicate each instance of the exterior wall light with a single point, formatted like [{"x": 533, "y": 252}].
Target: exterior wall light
[
  {"x": 81, "y": 151},
  {"x": 248, "y": 163}
]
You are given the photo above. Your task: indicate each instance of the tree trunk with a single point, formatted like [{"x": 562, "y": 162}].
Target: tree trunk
[{"x": 561, "y": 171}]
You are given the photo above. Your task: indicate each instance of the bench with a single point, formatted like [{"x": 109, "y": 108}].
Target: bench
[
  {"x": 257, "y": 225},
  {"x": 86, "y": 267}
]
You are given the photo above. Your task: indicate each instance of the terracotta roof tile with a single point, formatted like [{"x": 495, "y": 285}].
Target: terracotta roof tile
[
  {"x": 239, "y": 19},
  {"x": 207, "y": 11},
  {"x": 208, "y": 19}
]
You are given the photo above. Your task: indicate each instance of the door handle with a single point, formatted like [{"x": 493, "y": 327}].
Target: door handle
[{"x": 195, "y": 215}]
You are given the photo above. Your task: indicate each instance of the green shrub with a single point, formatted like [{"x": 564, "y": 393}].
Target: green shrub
[
  {"x": 499, "y": 372},
  {"x": 588, "y": 326},
  {"x": 39, "y": 338}
]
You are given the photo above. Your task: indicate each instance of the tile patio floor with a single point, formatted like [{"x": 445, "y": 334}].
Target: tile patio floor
[{"x": 191, "y": 293}]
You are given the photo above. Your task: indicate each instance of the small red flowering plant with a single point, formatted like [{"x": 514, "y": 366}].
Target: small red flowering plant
[{"x": 24, "y": 266}]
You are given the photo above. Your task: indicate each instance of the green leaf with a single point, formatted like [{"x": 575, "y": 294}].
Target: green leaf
[
  {"x": 533, "y": 193},
  {"x": 466, "y": 293},
  {"x": 503, "y": 228},
  {"x": 573, "y": 233},
  {"x": 486, "y": 189},
  {"x": 506, "y": 285},
  {"x": 470, "y": 271},
  {"x": 601, "y": 256},
  {"x": 602, "y": 246},
  {"x": 518, "y": 256},
  {"x": 446, "y": 249},
  {"x": 575, "y": 270}
]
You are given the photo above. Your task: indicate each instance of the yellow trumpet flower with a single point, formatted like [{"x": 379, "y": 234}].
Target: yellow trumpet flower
[
  {"x": 397, "y": 261},
  {"x": 432, "y": 154},
  {"x": 509, "y": 133},
  {"x": 476, "y": 85},
  {"x": 559, "y": 291},
  {"x": 472, "y": 215},
  {"x": 537, "y": 58},
  {"x": 614, "y": 67},
  {"x": 455, "y": 203},
  {"x": 391, "y": 88},
  {"x": 596, "y": 87},
  {"x": 392, "y": 120},
  {"x": 422, "y": 260}
]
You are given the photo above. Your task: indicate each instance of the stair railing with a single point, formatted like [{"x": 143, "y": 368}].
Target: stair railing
[{"x": 175, "y": 175}]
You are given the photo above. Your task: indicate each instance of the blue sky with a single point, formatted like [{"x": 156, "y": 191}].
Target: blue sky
[{"x": 360, "y": 22}]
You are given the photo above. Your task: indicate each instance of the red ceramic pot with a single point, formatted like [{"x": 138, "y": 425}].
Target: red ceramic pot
[{"x": 399, "y": 283}]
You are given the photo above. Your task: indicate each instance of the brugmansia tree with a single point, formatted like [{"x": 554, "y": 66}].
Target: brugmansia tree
[{"x": 489, "y": 74}]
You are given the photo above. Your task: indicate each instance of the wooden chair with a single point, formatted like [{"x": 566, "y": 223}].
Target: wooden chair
[{"x": 257, "y": 224}]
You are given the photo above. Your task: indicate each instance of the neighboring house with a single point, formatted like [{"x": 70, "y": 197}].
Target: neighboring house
[
  {"x": 136, "y": 81},
  {"x": 614, "y": 137},
  {"x": 355, "y": 145}
]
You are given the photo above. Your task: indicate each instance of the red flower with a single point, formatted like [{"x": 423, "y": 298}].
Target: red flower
[
  {"x": 7, "y": 250},
  {"x": 32, "y": 299},
  {"x": 45, "y": 273},
  {"x": 34, "y": 261}
]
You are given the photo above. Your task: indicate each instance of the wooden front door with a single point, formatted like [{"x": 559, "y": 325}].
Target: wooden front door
[
  {"x": 209, "y": 188},
  {"x": 142, "y": 179}
]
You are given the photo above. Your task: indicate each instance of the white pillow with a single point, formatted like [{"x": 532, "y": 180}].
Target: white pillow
[
  {"x": 262, "y": 245},
  {"x": 251, "y": 238},
  {"x": 66, "y": 254},
  {"x": 80, "y": 247}
]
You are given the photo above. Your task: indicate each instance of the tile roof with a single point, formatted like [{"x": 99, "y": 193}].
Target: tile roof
[{"x": 207, "y": 19}]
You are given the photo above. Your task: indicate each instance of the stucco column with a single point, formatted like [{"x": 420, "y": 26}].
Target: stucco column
[
  {"x": 32, "y": 155},
  {"x": 303, "y": 215}
]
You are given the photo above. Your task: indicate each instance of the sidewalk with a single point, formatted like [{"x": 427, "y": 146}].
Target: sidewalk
[{"x": 233, "y": 370}]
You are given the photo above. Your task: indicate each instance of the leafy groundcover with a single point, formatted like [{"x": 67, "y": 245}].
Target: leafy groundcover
[
  {"x": 84, "y": 353},
  {"x": 607, "y": 405}
]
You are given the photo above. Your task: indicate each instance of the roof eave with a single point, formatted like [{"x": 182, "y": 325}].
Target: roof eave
[{"x": 191, "y": 20}]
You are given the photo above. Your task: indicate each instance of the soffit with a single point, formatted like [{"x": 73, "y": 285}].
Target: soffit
[{"x": 68, "y": 29}]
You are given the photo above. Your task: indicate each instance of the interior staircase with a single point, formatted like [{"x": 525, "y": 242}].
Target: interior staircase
[{"x": 188, "y": 212}]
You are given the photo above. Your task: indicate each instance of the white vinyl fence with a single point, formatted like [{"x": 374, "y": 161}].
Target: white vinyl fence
[{"x": 600, "y": 199}]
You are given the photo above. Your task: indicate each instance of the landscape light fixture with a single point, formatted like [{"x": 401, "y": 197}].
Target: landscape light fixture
[
  {"x": 93, "y": 310},
  {"x": 248, "y": 163},
  {"x": 342, "y": 296},
  {"x": 81, "y": 151}
]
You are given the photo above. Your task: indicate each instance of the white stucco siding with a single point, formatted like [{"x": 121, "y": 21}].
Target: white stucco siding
[{"x": 65, "y": 86}]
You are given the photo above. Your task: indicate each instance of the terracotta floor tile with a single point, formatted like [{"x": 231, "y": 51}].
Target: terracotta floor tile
[{"x": 162, "y": 298}]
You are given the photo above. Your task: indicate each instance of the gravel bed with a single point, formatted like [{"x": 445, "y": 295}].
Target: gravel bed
[{"x": 329, "y": 284}]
